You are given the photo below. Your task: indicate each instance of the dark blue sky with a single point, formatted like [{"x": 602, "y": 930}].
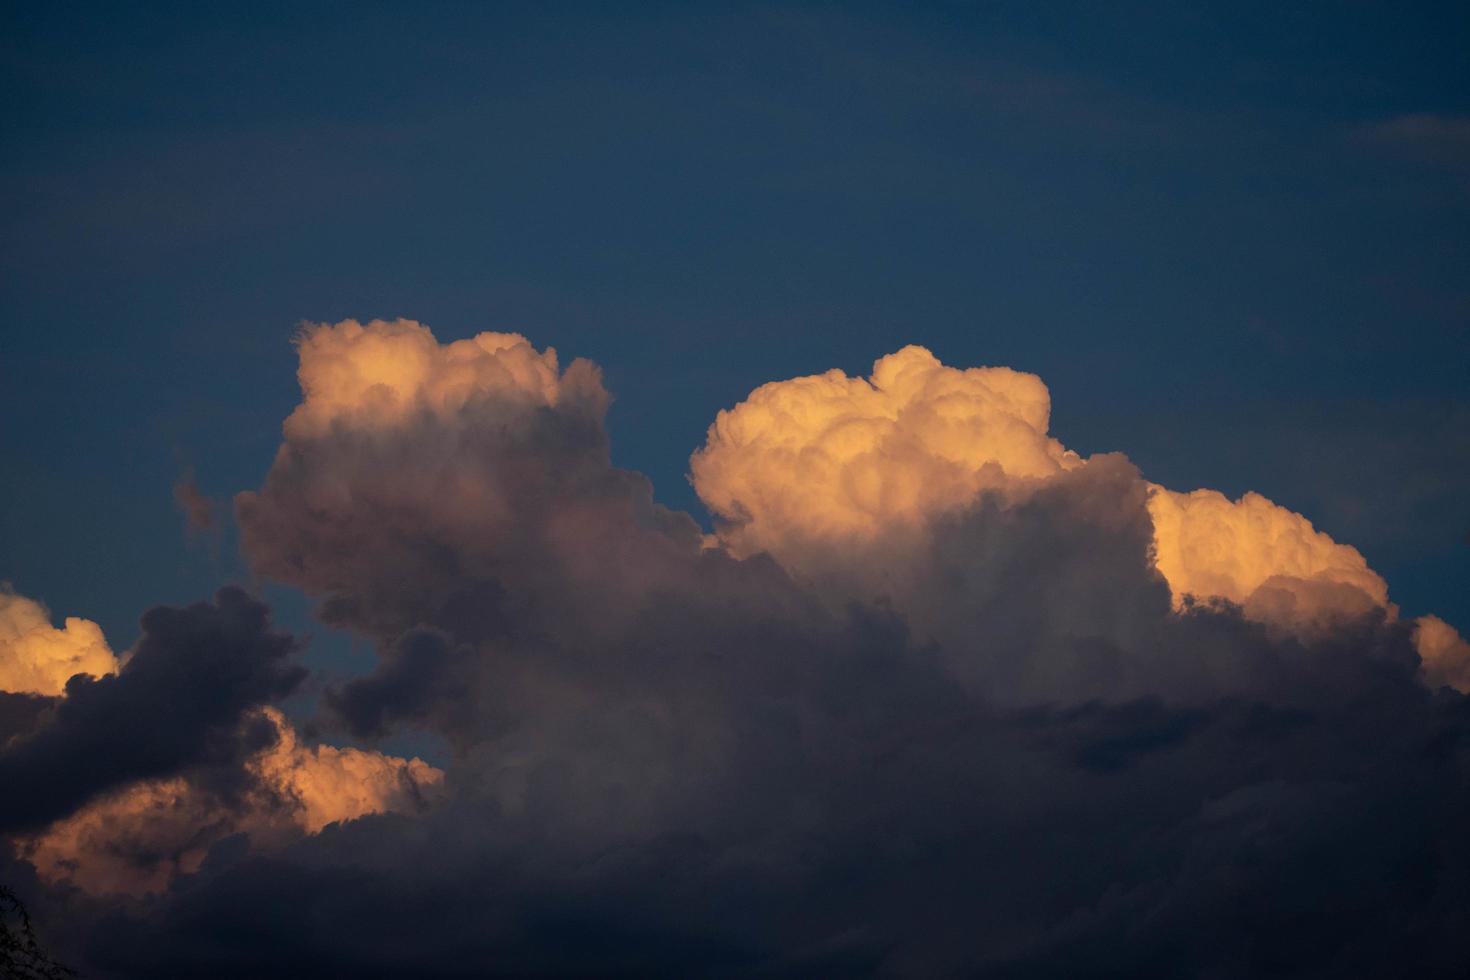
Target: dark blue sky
[{"x": 1234, "y": 240}]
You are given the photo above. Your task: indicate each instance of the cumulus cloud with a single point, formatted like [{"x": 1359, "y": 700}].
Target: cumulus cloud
[
  {"x": 1445, "y": 654},
  {"x": 144, "y": 787},
  {"x": 942, "y": 699},
  {"x": 1259, "y": 555},
  {"x": 386, "y": 372},
  {"x": 324, "y": 784},
  {"x": 131, "y": 841},
  {"x": 139, "y": 839},
  {"x": 182, "y": 700},
  {"x": 830, "y": 456},
  {"x": 415, "y": 479},
  {"x": 815, "y": 469},
  {"x": 37, "y": 658}
]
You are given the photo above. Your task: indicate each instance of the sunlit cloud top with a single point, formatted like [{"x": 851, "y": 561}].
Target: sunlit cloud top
[{"x": 38, "y": 658}]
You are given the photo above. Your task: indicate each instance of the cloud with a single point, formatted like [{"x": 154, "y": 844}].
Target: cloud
[
  {"x": 414, "y": 479},
  {"x": 1445, "y": 654},
  {"x": 939, "y": 698},
  {"x": 20, "y": 713},
  {"x": 125, "y": 811},
  {"x": 182, "y": 700},
  {"x": 130, "y": 841},
  {"x": 833, "y": 457},
  {"x": 139, "y": 839},
  {"x": 324, "y": 784},
  {"x": 1259, "y": 555},
  {"x": 198, "y": 509},
  {"x": 423, "y": 672},
  {"x": 814, "y": 469},
  {"x": 383, "y": 373},
  {"x": 37, "y": 658}
]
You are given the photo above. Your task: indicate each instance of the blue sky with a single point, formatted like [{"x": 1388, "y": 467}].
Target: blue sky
[{"x": 1233, "y": 240}]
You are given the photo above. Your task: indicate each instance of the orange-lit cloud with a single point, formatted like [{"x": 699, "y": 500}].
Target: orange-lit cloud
[
  {"x": 1443, "y": 652},
  {"x": 38, "y": 658},
  {"x": 136, "y": 840},
  {"x": 382, "y": 372},
  {"x": 412, "y": 470},
  {"x": 324, "y": 784},
  {"x": 1255, "y": 553},
  {"x": 829, "y": 457},
  {"x": 813, "y": 465},
  {"x": 131, "y": 842}
]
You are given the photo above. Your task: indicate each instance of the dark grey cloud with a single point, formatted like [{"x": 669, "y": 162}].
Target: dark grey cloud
[
  {"x": 181, "y": 701},
  {"x": 881, "y": 822},
  {"x": 422, "y": 672},
  {"x": 1012, "y": 759},
  {"x": 21, "y": 713}
]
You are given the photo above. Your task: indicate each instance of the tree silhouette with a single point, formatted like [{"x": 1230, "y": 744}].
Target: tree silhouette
[{"x": 21, "y": 957}]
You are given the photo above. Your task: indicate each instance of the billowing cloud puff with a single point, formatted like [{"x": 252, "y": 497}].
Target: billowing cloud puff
[
  {"x": 813, "y": 470},
  {"x": 384, "y": 373},
  {"x": 137, "y": 837},
  {"x": 140, "y": 838},
  {"x": 323, "y": 784},
  {"x": 183, "y": 701},
  {"x": 1444, "y": 652},
  {"x": 131, "y": 841},
  {"x": 37, "y": 658},
  {"x": 831, "y": 457},
  {"x": 417, "y": 479},
  {"x": 1259, "y": 555}
]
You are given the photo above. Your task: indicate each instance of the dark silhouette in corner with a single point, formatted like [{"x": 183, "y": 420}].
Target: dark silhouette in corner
[{"x": 21, "y": 956}]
